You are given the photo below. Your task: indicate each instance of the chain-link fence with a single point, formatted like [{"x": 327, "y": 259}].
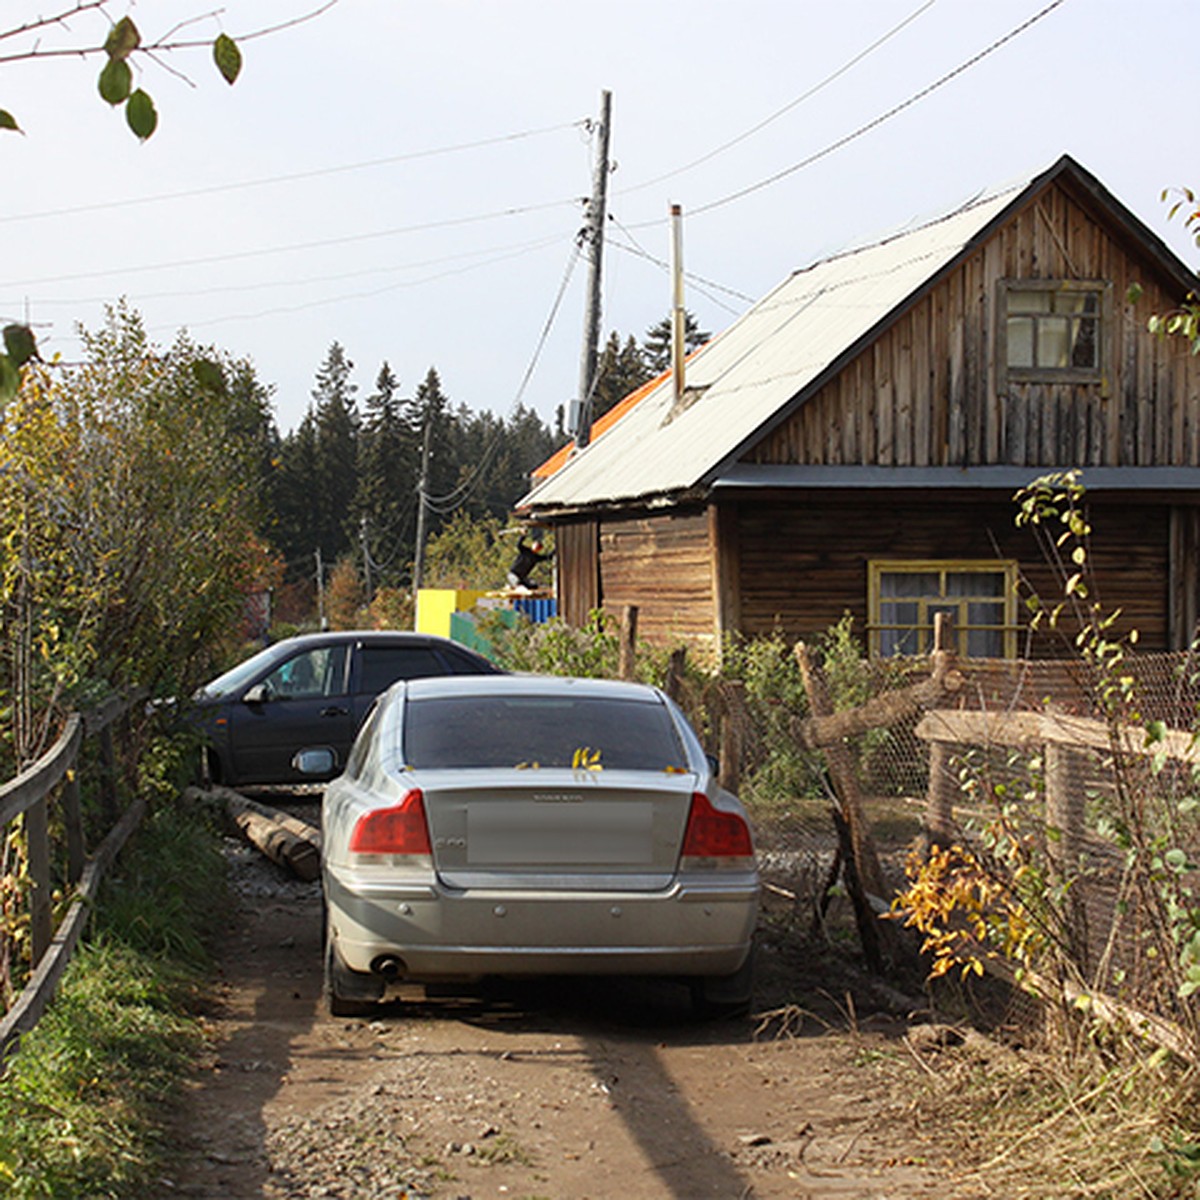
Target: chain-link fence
[{"x": 1073, "y": 792}]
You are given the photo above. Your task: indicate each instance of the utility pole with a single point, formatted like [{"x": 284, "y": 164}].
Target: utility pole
[
  {"x": 593, "y": 232},
  {"x": 419, "y": 555},
  {"x": 366, "y": 556},
  {"x": 320, "y": 588}
]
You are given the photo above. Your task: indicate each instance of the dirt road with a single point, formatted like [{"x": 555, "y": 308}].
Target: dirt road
[{"x": 561, "y": 1091}]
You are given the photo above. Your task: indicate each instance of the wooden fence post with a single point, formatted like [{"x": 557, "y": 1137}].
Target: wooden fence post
[
  {"x": 108, "y": 776},
  {"x": 1065, "y": 843},
  {"x": 676, "y": 665},
  {"x": 73, "y": 821},
  {"x": 37, "y": 836},
  {"x": 865, "y": 879},
  {"x": 733, "y": 725},
  {"x": 626, "y": 662},
  {"x": 939, "y": 799},
  {"x": 940, "y": 826}
]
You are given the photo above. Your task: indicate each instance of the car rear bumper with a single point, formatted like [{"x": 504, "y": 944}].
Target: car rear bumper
[{"x": 694, "y": 927}]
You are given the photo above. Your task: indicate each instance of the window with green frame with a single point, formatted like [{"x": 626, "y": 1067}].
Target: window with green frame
[{"x": 905, "y": 597}]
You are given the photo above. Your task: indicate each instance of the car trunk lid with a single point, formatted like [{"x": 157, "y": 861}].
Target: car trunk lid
[{"x": 565, "y": 829}]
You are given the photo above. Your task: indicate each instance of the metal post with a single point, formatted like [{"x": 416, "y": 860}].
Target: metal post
[
  {"x": 419, "y": 554},
  {"x": 320, "y": 588},
  {"x": 366, "y": 556}
]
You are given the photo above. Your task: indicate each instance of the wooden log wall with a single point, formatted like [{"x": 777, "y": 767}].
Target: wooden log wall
[
  {"x": 926, "y": 392},
  {"x": 662, "y": 565},
  {"x": 803, "y": 556}
]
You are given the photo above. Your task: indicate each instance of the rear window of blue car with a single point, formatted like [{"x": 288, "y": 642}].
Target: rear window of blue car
[{"x": 534, "y": 732}]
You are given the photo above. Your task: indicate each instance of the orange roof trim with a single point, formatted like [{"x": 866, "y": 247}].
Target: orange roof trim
[{"x": 603, "y": 424}]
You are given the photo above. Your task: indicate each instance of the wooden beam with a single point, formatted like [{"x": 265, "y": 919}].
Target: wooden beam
[
  {"x": 819, "y": 731},
  {"x": 1030, "y": 730},
  {"x": 863, "y": 874},
  {"x": 32, "y": 784}
]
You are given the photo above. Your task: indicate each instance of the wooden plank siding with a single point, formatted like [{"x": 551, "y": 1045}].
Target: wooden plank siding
[
  {"x": 664, "y": 565},
  {"x": 578, "y": 569},
  {"x": 803, "y": 556},
  {"x": 925, "y": 392}
]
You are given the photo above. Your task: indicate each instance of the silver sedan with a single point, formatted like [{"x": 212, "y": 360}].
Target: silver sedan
[{"x": 525, "y": 825}]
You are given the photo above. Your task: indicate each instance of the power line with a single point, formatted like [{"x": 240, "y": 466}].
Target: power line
[
  {"x": 812, "y": 91},
  {"x": 639, "y": 251},
  {"x": 283, "y": 310},
  {"x": 874, "y": 124},
  {"x": 296, "y": 177},
  {"x": 238, "y": 256},
  {"x": 452, "y": 500},
  {"x": 495, "y": 253}
]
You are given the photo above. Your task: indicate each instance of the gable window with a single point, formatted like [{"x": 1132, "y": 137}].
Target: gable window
[
  {"x": 904, "y": 598},
  {"x": 1053, "y": 330}
]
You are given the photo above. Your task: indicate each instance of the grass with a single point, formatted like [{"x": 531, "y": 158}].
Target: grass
[
  {"x": 81, "y": 1103},
  {"x": 1104, "y": 1120}
]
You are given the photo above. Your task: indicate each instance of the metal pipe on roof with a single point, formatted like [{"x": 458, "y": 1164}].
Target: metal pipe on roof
[{"x": 678, "y": 314}]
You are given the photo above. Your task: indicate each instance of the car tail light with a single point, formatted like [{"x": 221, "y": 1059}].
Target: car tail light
[
  {"x": 398, "y": 830},
  {"x": 712, "y": 833}
]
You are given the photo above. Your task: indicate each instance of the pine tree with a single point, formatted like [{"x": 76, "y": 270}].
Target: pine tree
[
  {"x": 294, "y": 530},
  {"x": 622, "y": 368},
  {"x": 657, "y": 344},
  {"x": 429, "y": 406},
  {"x": 388, "y": 464},
  {"x": 335, "y": 417}
]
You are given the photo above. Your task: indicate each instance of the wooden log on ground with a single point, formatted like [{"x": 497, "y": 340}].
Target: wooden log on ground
[{"x": 284, "y": 839}]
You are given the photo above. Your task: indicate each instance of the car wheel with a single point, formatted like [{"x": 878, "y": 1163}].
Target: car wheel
[
  {"x": 348, "y": 993},
  {"x": 725, "y": 995}
]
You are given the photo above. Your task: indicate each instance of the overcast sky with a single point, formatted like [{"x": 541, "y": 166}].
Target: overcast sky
[{"x": 405, "y": 178}]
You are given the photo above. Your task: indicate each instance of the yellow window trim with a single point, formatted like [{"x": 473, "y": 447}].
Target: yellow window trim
[{"x": 876, "y": 568}]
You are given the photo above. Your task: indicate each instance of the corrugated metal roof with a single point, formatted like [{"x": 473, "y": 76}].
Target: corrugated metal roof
[{"x": 766, "y": 358}]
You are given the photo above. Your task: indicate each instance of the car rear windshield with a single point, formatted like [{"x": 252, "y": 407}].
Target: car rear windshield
[{"x": 541, "y": 731}]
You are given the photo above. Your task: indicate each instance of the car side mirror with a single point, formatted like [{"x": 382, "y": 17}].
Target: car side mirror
[
  {"x": 258, "y": 694},
  {"x": 317, "y": 760},
  {"x": 714, "y": 763}
]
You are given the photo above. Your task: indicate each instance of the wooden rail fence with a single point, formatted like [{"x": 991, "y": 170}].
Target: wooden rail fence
[{"x": 29, "y": 796}]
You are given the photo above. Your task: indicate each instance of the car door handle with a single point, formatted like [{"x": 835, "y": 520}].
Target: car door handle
[{"x": 335, "y": 711}]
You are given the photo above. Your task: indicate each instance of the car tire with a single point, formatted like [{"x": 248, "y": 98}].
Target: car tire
[
  {"x": 725, "y": 995},
  {"x": 348, "y": 993}
]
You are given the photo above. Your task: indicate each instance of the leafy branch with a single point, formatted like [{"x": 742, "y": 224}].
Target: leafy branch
[
  {"x": 123, "y": 42},
  {"x": 1183, "y": 321}
]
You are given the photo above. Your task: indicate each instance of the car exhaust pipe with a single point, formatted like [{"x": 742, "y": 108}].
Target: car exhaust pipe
[{"x": 390, "y": 966}]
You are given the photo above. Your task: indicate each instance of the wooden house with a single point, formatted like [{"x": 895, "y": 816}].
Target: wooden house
[{"x": 853, "y": 442}]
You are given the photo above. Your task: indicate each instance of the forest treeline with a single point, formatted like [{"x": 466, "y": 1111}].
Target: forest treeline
[{"x": 342, "y": 487}]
